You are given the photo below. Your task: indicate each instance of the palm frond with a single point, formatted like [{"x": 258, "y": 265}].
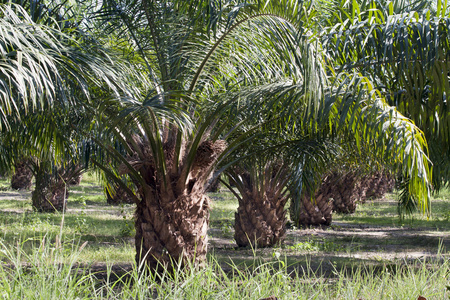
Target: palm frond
[{"x": 404, "y": 53}]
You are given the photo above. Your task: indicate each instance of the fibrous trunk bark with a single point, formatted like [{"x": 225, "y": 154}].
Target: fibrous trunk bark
[
  {"x": 213, "y": 185},
  {"x": 171, "y": 231},
  {"x": 260, "y": 219},
  {"x": 344, "y": 189},
  {"x": 21, "y": 180},
  {"x": 50, "y": 193},
  {"x": 376, "y": 185},
  {"x": 51, "y": 190},
  {"x": 172, "y": 213},
  {"x": 311, "y": 211},
  {"x": 340, "y": 192},
  {"x": 347, "y": 189}
]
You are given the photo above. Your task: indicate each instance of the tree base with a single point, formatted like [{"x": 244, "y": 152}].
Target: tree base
[{"x": 172, "y": 236}]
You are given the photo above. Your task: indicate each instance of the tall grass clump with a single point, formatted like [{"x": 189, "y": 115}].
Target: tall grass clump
[
  {"x": 428, "y": 279},
  {"x": 52, "y": 271},
  {"x": 46, "y": 272}
]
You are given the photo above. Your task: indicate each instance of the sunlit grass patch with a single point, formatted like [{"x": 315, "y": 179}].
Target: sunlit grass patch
[
  {"x": 384, "y": 212},
  {"x": 109, "y": 252},
  {"x": 223, "y": 207}
]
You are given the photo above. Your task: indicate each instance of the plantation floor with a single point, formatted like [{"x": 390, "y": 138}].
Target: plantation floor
[{"x": 373, "y": 236}]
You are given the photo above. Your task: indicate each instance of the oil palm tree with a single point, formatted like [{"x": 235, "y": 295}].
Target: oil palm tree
[
  {"x": 352, "y": 175},
  {"x": 193, "y": 69},
  {"x": 52, "y": 69},
  {"x": 262, "y": 181},
  {"x": 261, "y": 218},
  {"x": 382, "y": 40},
  {"x": 170, "y": 163},
  {"x": 170, "y": 172},
  {"x": 52, "y": 185},
  {"x": 54, "y": 167},
  {"x": 221, "y": 65},
  {"x": 377, "y": 125}
]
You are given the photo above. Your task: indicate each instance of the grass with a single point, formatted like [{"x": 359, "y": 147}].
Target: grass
[
  {"x": 108, "y": 230},
  {"x": 382, "y": 213},
  {"x": 52, "y": 273},
  {"x": 367, "y": 255}
]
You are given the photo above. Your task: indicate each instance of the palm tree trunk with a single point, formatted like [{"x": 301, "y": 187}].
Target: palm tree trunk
[
  {"x": 260, "y": 221},
  {"x": 345, "y": 189},
  {"x": 315, "y": 212},
  {"x": 50, "y": 193},
  {"x": 21, "y": 180},
  {"x": 172, "y": 213},
  {"x": 171, "y": 231},
  {"x": 376, "y": 185},
  {"x": 213, "y": 185}
]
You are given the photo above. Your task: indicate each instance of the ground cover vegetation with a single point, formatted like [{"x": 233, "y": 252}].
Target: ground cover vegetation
[
  {"x": 371, "y": 253},
  {"x": 160, "y": 98}
]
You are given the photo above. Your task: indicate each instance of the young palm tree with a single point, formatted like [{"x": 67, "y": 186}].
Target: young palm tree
[
  {"x": 223, "y": 65},
  {"x": 351, "y": 176},
  {"x": 346, "y": 188},
  {"x": 260, "y": 219},
  {"x": 310, "y": 209},
  {"x": 52, "y": 186},
  {"x": 379, "y": 126},
  {"x": 189, "y": 60},
  {"x": 45, "y": 130},
  {"x": 172, "y": 212},
  {"x": 51, "y": 69}
]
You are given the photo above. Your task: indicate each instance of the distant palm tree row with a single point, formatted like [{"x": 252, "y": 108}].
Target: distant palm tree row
[{"x": 293, "y": 101}]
